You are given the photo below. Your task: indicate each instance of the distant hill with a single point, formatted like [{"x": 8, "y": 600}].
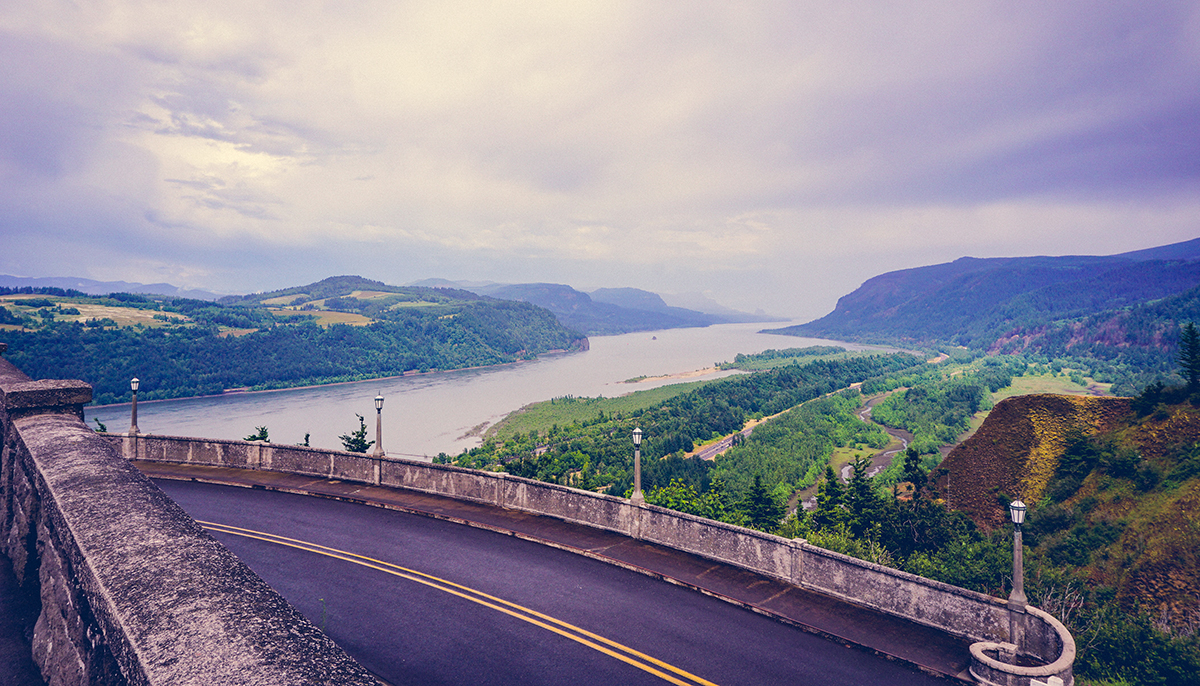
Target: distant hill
[
  {"x": 579, "y": 311},
  {"x": 105, "y": 287},
  {"x": 606, "y": 311},
  {"x": 1110, "y": 491},
  {"x": 344, "y": 328},
  {"x": 696, "y": 304},
  {"x": 705, "y": 304},
  {"x": 341, "y": 287},
  {"x": 1124, "y": 308}
]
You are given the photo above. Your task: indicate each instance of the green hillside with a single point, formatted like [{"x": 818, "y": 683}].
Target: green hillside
[
  {"x": 1121, "y": 313},
  {"x": 1113, "y": 530},
  {"x": 340, "y": 329}
]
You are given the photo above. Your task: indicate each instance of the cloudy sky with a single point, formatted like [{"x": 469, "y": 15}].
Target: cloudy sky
[{"x": 771, "y": 155}]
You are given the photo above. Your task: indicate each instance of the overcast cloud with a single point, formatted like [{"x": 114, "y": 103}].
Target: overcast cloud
[{"x": 770, "y": 155}]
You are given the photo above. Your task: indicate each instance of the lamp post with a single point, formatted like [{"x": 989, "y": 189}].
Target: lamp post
[
  {"x": 637, "y": 498},
  {"x": 378, "y": 426},
  {"x": 1016, "y": 599},
  {"x": 133, "y": 385}
]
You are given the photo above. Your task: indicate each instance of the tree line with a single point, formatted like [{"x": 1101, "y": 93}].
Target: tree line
[
  {"x": 596, "y": 454},
  {"x": 195, "y": 359}
]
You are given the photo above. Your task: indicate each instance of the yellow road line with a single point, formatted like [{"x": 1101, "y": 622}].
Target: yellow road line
[{"x": 594, "y": 641}]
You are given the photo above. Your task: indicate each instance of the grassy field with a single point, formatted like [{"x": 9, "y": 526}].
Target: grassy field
[
  {"x": 227, "y": 332},
  {"x": 123, "y": 316},
  {"x": 329, "y": 317},
  {"x": 563, "y": 411},
  {"x": 286, "y": 299},
  {"x": 844, "y": 456},
  {"x": 1044, "y": 383}
]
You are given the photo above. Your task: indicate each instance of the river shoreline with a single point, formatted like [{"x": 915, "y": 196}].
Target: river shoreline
[
  {"x": 434, "y": 412},
  {"x": 232, "y": 392}
]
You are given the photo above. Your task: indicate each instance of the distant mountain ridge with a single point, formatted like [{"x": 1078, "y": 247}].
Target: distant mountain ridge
[
  {"x": 343, "y": 328},
  {"x": 1125, "y": 308},
  {"x": 92, "y": 287},
  {"x": 971, "y": 299},
  {"x": 606, "y": 311}
]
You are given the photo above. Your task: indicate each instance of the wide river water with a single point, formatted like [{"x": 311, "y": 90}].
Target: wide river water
[{"x": 447, "y": 411}]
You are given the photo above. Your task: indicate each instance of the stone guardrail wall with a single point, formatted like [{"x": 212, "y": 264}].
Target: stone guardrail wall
[
  {"x": 130, "y": 589},
  {"x": 975, "y": 616}
]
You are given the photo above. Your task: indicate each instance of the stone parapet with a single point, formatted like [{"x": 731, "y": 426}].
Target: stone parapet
[
  {"x": 48, "y": 395},
  {"x": 131, "y": 590}
]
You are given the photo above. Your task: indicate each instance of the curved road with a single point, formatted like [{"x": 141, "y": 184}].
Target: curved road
[{"x": 433, "y": 602}]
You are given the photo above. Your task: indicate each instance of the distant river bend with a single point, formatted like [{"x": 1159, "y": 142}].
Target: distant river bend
[{"x": 446, "y": 412}]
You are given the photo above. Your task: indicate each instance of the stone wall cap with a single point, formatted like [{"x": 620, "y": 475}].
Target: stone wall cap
[{"x": 46, "y": 393}]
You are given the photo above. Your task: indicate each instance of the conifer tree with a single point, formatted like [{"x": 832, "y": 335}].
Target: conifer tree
[
  {"x": 761, "y": 508},
  {"x": 1189, "y": 356},
  {"x": 830, "y": 497},
  {"x": 912, "y": 470},
  {"x": 863, "y": 502},
  {"x": 356, "y": 441}
]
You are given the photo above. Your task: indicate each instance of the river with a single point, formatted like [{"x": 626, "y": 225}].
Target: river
[{"x": 447, "y": 411}]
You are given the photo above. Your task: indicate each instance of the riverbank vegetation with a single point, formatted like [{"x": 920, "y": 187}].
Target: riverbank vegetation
[
  {"x": 181, "y": 348},
  {"x": 769, "y": 359},
  {"x": 569, "y": 409},
  {"x": 594, "y": 452}
]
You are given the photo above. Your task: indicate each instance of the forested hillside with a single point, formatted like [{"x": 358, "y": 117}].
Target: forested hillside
[
  {"x": 1113, "y": 484},
  {"x": 337, "y": 330},
  {"x": 1116, "y": 316}
]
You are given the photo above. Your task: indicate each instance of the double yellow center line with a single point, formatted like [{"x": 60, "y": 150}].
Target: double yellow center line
[{"x": 594, "y": 641}]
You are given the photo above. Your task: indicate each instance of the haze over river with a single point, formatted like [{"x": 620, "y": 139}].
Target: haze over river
[{"x": 448, "y": 411}]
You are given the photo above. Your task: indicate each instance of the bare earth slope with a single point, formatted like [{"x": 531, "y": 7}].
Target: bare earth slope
[{"x": 1017, "y": 449}]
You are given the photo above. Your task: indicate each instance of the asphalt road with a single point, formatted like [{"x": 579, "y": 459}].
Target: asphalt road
[{"x": 433, "y": 602}]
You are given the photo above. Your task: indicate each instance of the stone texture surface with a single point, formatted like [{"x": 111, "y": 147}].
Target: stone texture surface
[{"x": 132, "y": 591}]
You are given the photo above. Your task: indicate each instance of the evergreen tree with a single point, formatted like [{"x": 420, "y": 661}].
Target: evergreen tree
[
  {"x": 761, "y": 508},
  {"x": 830, "y": 497},
  {"x": 260, "y": 434},
  {"x": 1189, "y": 356},
  {"x": 862, "y": 502},
  {"x": 356, "y": 441},
  {"x": 912, "y": 470}
]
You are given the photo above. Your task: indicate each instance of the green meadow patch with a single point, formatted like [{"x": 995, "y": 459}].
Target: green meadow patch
[{"x": 569, "y": 410}]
